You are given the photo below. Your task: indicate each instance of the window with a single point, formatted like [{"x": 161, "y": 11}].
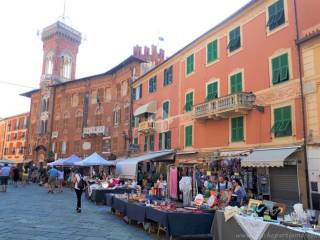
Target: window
[
  {"x": 25, "y": 123},
  {"x": 167, "y": 76},
  {"x": 190, "y": 64},
  {"x": 94, "y": 95},
  {"x": 108, "y": 95},
  {"x": 212, "y": 91},
  {"x": 151, "y": 143},
  {"x": 236, "y": 83},
  {"x": 81, "y": 99},
  {"x": 280, "y": 69},
  {"x": 100, "y": 95},
  {"x": 153, "y": 84},
  {"x": 116, "y": 116},
  {"x": 212, "y": 51},
  {"x": 145, "y": 146},
  {"x": 189, "y": 102},
  {"x": 65, "y": 70},
  {"x": 49, "y": 64},
  {"x": 124, "y": 88},
  {"x": 165, "y": 110},
  {"x": 44, "y": 126},
  {"x": 276, "y": 15},
  {"x": 137, "y": 92},
  {"x": 237, "y": 129},
  {"x": 188, "y": 136},
  {"x": 164, "y": 140},
  {"x": 118, "y": 87},
  {"x": 135, "y": 140},
  {"x": 65, "y": 123},
  {"x": 99, "y": 120},
  {"x": 282, "y": 126},
  {"x": 76, "y": 146},
  {"x": 234, "y": 39},
  {"x": 75, "y": 100},
  {"x": 64, "y": 147},
  {"x": 127, "y": 113}
]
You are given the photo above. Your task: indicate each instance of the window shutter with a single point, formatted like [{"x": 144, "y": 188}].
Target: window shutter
[
  {"x": 284, "y": 74},
  {"x": 236, "y": 83},
  {"x": 140, "y": 91},
  {"x": 151, "y": 142},
  {"x": 188, "y": 136},
  {"x": 160, "y": 141},
  {"x": 168, "y": 140},
  {"x": 275, "y": 70},
  {"x": 237, "y": 129}
]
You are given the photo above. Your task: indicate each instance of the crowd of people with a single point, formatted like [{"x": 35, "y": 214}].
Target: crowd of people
[{"x": 229, "y": 191}]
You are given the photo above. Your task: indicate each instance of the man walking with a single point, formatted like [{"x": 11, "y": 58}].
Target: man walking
[
  {"x": 5, "y": 173},
  {"x": 53, "y": 176}
]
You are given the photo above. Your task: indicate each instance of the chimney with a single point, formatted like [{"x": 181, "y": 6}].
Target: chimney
[
  {"x": 137, "y": 51},
  {"x": 146, "y": 52},
  {"x": 154, "y": 52},
  {"x": 161, "y": 55}
]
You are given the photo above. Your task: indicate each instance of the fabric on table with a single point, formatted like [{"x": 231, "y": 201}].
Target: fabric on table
[
  {"x": 253, "y": 228},
  {"x": 109, "y": 199},
  {"x": 174, "y": 183},
  {"x": 135, "y": 211},
  {"x": 184, "y": 224},
  {"x": 119, "y": 205},
  {"x": 229, "y": 212},
  {"x": 157, "y": 216}
]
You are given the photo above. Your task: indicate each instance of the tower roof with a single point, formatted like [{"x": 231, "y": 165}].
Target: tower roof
[{"x": 61, "y": 29}]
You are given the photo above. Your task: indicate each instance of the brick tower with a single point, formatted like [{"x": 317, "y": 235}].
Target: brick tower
[{"x": 60, "y": 48}]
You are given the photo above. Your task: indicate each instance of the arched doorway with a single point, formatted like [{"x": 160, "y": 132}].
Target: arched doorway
[{"x": 41, "y": 155}]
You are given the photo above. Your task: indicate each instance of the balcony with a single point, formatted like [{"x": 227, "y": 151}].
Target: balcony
[
  {"x": 147, "y": 127},
  {"x": 93, "y": 131},
  {"x": 225, "y": 107}
]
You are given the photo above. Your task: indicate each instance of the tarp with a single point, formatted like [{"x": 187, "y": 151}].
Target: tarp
[
  {"x": 58, "y": 162},
  {"x": 270, "y": 157},
  {"x": 95, "y": 160},
  {"x": 70, "y": 161},
  {"x": 3, "y": 162},
  {"x": 150, "y": 107},
  {"x": 128, "y": 168}
]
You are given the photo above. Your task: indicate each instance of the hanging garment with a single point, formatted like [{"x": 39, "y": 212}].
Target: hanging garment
[{"x": 174, "y": 183}]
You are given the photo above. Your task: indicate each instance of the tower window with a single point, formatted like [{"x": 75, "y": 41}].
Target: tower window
[
  {"x": 66, "y": 63},
  {"x": 49, "y": 64}
]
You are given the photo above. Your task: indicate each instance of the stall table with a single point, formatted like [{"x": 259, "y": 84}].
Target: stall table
[
  {"x": 232, "y": 230},
  {"x": 98, "y": 196}
]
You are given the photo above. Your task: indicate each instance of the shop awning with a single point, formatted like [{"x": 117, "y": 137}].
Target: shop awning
[
  {"x": 150, "y": 107},
  {"x": 271, "y": 157},
  {"x": 127, "y": 168}
]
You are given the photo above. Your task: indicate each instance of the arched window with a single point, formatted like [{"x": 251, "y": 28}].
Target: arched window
[
  {"x": 45, "y": 104},
  {"x": 66, "y": 65},
  {"x": 44, "y": 126},
  {"x": 79, "y": 119},
  {"x": 116, "y": 116},
  {"x": 49, "y": 63}
]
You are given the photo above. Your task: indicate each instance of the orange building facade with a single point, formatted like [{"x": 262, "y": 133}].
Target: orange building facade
[
  {"x": 235, "y": 89},
  {"x": 13, "y": 136}
]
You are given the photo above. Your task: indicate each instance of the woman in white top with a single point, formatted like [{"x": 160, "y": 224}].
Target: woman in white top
[
  {"x": 78, "y": 179},
  {"x": 60, "y": 180}
]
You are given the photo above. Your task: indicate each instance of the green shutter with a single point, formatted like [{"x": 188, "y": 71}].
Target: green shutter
[
  {"x": 282, "y": 122},
  {"x": 189, "y": 102},
  {"x": 237, "y": 129},
  {"x": 276, "y": 15},
  {"x": 212, "y": 91},
  {"x": 145, "y": 146},
  {"x": 188, "y": 136},
  {"x": 135, "y": 141},
  {"x": 160, "y": 141},
  {"x": 165, "y": 110},
  {"x": 167, "y": 144},
  {"x": 212, "y": 51},
  {"x": 234, "y": 39},
  {"x": 280, "y": 69},
  {"x": 236, "y": 83},
  {"x": 151, "y": 143},
  {"x": 190, "y": 64}
]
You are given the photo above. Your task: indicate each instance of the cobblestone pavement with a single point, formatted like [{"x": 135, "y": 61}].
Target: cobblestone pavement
[{"x": 31, "y": 213}]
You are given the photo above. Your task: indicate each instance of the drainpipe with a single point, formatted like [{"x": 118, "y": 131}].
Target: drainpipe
[
  {"x": 130, "y": 133},
  {"x": 304, "y": 127}
]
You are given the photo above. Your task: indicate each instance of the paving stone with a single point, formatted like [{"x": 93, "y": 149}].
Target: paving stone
[{"x": 31, "y": 213}]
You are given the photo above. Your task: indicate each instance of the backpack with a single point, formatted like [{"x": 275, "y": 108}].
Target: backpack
[{"x": 81, "y": 183}]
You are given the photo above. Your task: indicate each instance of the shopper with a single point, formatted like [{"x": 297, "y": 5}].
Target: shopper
[
  {"x": 60, "y": 180},
  {"x": 79, "y": 186},
  {"x": 5, "y": 174},
  {"x": 16, "y": 176},
  {"x": 239, "y": 194},
  {"x": 53, "y": 176}
]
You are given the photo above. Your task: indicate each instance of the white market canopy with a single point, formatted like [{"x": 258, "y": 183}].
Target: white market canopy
[
  {"x": 70, "y": 161},
  {"x": 127, "y": 168},
  {"x": 3, "y": 162},
  {"x": 269, "y": 157},
  {"x": 58, "y": 162},
  {"x": 95, "y": 160}
]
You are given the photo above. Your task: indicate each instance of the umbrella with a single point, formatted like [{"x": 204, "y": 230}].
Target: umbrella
[
  {"x": 94, "y": 160},
  {"x": 70, "y": 161}
]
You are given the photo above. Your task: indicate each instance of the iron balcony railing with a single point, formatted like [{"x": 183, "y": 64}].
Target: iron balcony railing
[{"x": 225, "y": 106}]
